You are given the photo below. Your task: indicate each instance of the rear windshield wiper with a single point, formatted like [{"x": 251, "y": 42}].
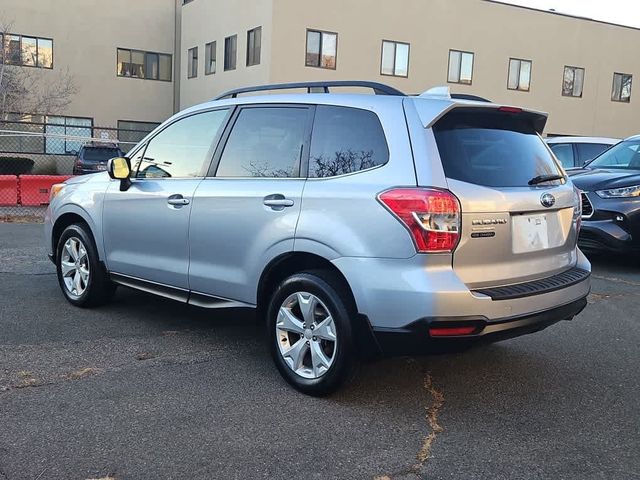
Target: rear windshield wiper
[{"x": 545, "y": 178}]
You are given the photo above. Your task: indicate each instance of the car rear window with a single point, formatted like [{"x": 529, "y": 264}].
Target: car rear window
[
  {"x": 492, "y": 148},
  {"x": 100, "y": 154}
]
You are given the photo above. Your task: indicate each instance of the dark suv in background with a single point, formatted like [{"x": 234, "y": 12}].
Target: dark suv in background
[{"x": 92, "y": 157}]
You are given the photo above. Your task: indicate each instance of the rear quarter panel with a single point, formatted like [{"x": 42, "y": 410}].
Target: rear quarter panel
[{"x": 341, "y": 216}]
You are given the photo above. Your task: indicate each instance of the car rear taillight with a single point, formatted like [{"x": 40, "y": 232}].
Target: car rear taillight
[
  {"x": 577, "y": 212},
  {"x": 431, "y": 216}
]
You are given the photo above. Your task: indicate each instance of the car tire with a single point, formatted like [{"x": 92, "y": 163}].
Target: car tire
[
  {"x": 82, "y": 277},
  {"x": 309, "y": 327}
]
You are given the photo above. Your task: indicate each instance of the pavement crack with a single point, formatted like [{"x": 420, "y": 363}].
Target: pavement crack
[
  {"x": 437, "y": 398},
  {"x": 436, "y": 402}
]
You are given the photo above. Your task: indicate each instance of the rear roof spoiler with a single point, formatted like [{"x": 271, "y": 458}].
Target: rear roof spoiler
[{"x": 433, "y": 110}]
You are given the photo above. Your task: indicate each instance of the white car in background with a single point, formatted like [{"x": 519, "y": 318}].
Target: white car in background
[{"x": 576, "y": 151}]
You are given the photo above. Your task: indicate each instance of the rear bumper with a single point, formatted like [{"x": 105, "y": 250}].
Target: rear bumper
[
  {"x": 394, "y": 293},
  {"x": 416, "y": 338}
]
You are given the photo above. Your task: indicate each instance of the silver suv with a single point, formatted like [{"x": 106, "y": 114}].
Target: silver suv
[{"x": 354, "y": 224}]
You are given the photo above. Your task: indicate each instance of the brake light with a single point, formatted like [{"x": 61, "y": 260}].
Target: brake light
[
  {"x": 577, "y": 213},
  {"x": 431, "y": 216},
  {"x": 510, "y": 109}
]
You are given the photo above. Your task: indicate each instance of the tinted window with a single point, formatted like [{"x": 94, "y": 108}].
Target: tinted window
[
  {"x": 589, "y": 151},
  {"x": 492, "y": 148},
  {"x": 182, "y": 149},
  {"x": 346, "y": 140},
  {"x": 623, "y": 155},
  {"x": 564, "y": 152},
  {"x": 100, "y": 154},
  {"x": 265, "y": 142}
]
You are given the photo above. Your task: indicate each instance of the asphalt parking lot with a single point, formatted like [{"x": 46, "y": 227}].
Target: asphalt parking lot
[{"x": 149, "y": 389}]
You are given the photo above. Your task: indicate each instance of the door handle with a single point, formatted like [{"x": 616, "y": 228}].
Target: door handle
[
  {"x": 177, "y": 200},
  {"x": 277, "y": 200}
]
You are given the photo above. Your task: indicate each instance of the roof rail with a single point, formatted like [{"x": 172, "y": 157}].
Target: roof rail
[{"x": 315, "y": 87}]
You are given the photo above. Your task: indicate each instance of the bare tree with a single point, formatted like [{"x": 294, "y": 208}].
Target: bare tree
[
  {"x": 29, "y": 91},
  {"x": 344, "y": 161}
]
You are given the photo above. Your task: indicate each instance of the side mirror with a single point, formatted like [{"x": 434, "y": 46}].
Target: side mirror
[{"x": 118, "y": 169}]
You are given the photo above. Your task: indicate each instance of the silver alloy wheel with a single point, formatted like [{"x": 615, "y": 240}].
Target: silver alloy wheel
[
  {"x": 306, "y": 335},
  {"x": 74, "y": 264}
]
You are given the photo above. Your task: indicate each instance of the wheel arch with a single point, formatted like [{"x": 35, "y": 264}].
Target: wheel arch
[
  {"x": 62, "y": 222},
  {"x": 290, "y": 263}
]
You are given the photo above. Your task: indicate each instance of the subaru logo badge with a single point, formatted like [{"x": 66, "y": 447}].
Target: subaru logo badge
[{"x": 547, "y": 200}]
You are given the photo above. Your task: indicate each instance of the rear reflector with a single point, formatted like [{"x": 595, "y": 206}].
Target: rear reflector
[
  {"x": 510, "y": 109},
  {"x": 451, "y": 331},
  {"x": 431, "y": 216}
]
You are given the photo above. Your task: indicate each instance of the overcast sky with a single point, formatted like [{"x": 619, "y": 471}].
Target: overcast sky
[{"x": 624, "y": 12}]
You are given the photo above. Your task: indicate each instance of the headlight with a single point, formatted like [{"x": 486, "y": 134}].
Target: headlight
[
  {"x": 56, "y": 188},
  {"x": 624, "y": 192}
]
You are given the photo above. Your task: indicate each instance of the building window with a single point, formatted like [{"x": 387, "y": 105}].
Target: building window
[
  {"x": 572, "y": 81},
  {"x": 254, "y": 44},
  {"x": 65, "y": 134},
  {"x": 26, "y": 51},
  {"x": 192, "y": 57},
  {"x": 141, "y": 64},
  {"x": 621, "y": 91},
  {"x": 519, "y": 75},
  {"x": 395, "y": 59},
  {"x": 460, "y": 67},
  {"x": 230, "y": 52},
  {"x": 210, "y": 58},
  {"x": 130, "y": 132},
  {"x": 322, "y": 48}
]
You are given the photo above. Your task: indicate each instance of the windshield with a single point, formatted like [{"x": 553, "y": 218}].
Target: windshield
[
  {"x": 100, "y": 154},
  {"x": 624, "y": 155}
]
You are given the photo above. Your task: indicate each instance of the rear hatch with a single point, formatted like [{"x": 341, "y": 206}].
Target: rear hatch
[{"x": 516, "y": 226}]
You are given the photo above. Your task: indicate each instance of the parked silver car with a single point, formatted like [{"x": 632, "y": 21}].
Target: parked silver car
[{"x": 352, "y": 223}]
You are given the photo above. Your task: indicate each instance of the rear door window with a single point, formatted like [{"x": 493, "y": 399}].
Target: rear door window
[
  {"x": 564, "y": 153},
  {"x": 265, "y": 142},
  {"x": 589, "y": 151},
  {"x": 492, "y": 148},
  {"x": 346, "y": 140}
]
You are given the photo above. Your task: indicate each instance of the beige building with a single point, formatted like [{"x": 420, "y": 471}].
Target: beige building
[
  {"x": 139, "y": 61},
  {"x": 90, "y": 39}
]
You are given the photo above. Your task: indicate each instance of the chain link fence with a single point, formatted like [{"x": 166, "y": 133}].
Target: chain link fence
[{"x": 34, "y": 156}]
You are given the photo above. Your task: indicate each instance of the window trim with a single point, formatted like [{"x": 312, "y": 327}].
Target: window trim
[
  {"x": 190, "y": 65},
  {"x": 395, "y": 47},
  {"x": 160, "y": 54},
  {"x": 207, "y": 48},
  {"x": 144, "y": 143},
  {"x": 613, "y": 82},
  {"x": 21, "y": 64},
  {"x": 473, "y": 65},
  {"x": 306, "y": 48},
  {"x": 224, "y": 54},
  {"x": 303, "y": 170},
  {"x": 574, "y": 79},
  {"x": 518, "y": 89},
  {"x": 249, "y": 32}
]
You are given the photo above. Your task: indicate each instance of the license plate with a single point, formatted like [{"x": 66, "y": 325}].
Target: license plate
[{"x": 530, "y": 233}]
